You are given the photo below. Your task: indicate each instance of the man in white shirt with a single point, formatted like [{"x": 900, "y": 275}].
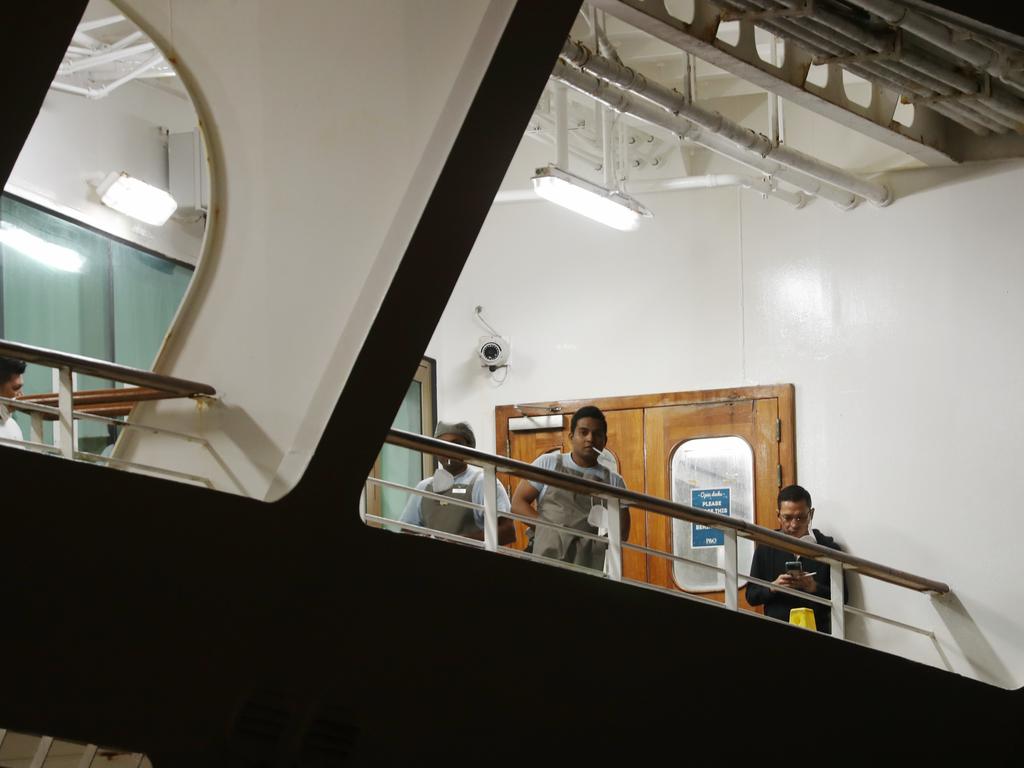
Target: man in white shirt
[
  {"x": 11, "y": 382},
  {"x": 457, "y": 480},
  {"x": 588, "y": 435}
]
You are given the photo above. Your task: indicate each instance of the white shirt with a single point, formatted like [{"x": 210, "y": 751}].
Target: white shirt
[
  {"x": 8, "y": 426},
  {"x": 412, "y": 512},
  {"x": 597, "y": 472}
]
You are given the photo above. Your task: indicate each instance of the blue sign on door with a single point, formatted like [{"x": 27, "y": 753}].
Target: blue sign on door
[{"x": 713, "y": 500}]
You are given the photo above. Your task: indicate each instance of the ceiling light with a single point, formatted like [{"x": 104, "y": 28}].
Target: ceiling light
[
  {"x": 54, "y": 256},
  {"x": 136, "y": 198},
  {"x": 588, "y": 199}
]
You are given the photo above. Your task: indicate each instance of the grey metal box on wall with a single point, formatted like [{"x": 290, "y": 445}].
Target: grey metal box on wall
[{"x": 188, "y": 172}]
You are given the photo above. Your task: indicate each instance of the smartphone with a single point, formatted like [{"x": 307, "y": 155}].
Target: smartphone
[{"x": 794, "y": 568}]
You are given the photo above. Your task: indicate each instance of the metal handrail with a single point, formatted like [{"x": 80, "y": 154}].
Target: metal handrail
[
  {"x": 104, "y": 369},
  {"x": 427, "y": 494},
  {"x": 669, "y": 509}
]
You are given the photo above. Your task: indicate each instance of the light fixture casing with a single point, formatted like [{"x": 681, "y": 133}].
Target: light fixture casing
[
  {"x": 606, "y": 206},
  {"x": 134, "y": 197}
]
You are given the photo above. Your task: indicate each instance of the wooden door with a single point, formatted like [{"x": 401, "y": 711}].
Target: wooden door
[
  {"x": 756, "y": 423},
  {"x": 625, "y": 442}
]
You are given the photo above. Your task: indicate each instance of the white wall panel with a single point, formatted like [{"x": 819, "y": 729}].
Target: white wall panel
[{"x": 327, "y": 131}]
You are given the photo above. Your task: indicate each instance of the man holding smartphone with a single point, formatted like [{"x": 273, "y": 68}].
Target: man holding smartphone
[{"x": 785, "y": 569}]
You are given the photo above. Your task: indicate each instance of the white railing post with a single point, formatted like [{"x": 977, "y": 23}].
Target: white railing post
[
  {"x": 614, "y": 523},
  {"x": 65, "y": 437},
  {"x": 732, "y": 599},
  {"x": 35, "y": 432},
  {"x": 87, "y": 756},
  {"x": 838, "y": 612},
  {"x": 42, "y": 752},
  {"x": 490, "y": 509}
]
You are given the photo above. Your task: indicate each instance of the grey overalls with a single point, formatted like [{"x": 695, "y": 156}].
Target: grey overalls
[
  {"x": 571, "y": 510},
  {"x": 450, "y": 518}
]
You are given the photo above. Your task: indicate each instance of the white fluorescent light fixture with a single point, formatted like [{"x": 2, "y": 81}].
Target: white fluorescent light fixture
[
  {"x": 606, "y": 206},
  {"x": 136, "y": 198},
  {"x": 53, "y": 256}
]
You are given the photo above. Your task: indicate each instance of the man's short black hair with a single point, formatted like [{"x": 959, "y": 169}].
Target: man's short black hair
[
  {"x": 588, "y": 412},
  {"x": 10, "y": 367},
  {"x": 794, "y": 493}
]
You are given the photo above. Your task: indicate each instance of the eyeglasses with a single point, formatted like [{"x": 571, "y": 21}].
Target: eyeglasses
[{"x": 803, "y": 517}]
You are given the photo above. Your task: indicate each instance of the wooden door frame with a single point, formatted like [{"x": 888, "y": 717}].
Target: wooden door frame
[{"x": 784, "y": 393}]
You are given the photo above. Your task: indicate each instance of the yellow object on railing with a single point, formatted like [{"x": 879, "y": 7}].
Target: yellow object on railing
[{"x": 802, "y": 617}]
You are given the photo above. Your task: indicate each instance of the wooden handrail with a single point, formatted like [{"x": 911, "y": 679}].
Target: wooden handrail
[
  {"x": 668, "y": 508},
  {"x": 95, "y": 397},
  {"x": 104, "y": 369}
]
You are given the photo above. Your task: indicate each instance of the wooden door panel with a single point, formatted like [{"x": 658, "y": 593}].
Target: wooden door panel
[
  {"x": 643, "y": 450},
  {"x": 755, "y": 421}
]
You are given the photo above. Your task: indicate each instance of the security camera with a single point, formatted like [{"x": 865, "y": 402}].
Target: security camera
[{"x": 493, "y": 352}]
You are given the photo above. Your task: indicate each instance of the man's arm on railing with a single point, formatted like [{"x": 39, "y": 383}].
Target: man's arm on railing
[{"x": 523, "y": 499}]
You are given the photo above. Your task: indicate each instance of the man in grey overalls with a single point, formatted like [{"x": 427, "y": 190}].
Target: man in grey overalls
[
  {"x": 588, "y": 435},
  {"x": 456, "y": 480}
]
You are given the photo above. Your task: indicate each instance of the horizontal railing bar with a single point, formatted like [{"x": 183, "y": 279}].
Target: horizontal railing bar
[
  {"x": 94, "y": 458},
  {"x": 28, "y": 444},
  {"x": 84, "y": 416},
  {"x": 23, "y": 405},
  {"x": 542, "y": 560},
  {"x": 789, "y": 591},
  {"x": 548, "y": 524},
  {"x": 667, "y": 508},
  {"x": 504, "y": 550},
  {"x": 103, "y": 369},
  {"x": 894, "y": 622},
  {"x": 427, "y": 494},
  {"x": 669, "y": 556},
  {"x": 444, "y": 535},
  {"x": 96, "y": 397},
  {"x": 508, "y": 551}
]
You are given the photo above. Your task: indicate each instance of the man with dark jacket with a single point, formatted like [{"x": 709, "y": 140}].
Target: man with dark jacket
[{"x": 769, "y": 564}]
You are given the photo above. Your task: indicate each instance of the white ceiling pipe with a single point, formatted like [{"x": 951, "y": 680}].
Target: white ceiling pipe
[
  {"x": 796, "y": 199},
  {"x": 977, "y": 55},
  {"x": 89, "y": 26},
  {"x": 86, "y": 40},
  {"x": 633, "y": 82},
  {"x": 103, "y": 58},
  {"x": 99, "y": 93},
  {"x": 70, "y": 88},
  {"x": 126, "y": 40},
  {"x": 812, "y": 186},
  {"x": 641, "y": 109},
  {"x": 644, "y": 110},
  {"x": 142, "y": 69}
]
